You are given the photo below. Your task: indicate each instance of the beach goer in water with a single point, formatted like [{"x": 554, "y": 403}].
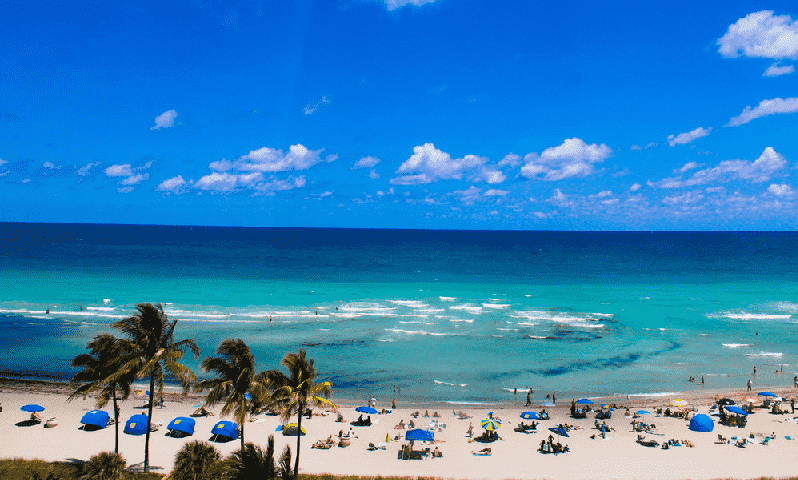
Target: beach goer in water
[
  {"x": 754, "y": 369},
  {"x": 48, "y": 311},
  {"x": 749, "y": 384},
  {"x": 795, "y": 381},
  {"x": 702, "y": 379},
  {"x": 528, "y": 399},
  {"x": 553, "y": 398},
  {"x": 81, "y": 307}
]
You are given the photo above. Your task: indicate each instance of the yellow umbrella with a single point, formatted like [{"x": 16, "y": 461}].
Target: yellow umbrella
[{"x": 679, "y": 403}]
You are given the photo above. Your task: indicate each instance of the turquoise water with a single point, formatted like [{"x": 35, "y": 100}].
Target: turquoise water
[{"x": 448, "y": 316}]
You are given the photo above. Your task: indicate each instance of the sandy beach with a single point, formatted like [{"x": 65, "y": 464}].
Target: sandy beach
[{"x": 514, "y": 456}]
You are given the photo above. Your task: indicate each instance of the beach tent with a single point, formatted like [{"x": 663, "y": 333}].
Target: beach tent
[
  {"x": 702, "y": 423},
  {"x": 737, "y": 410},
  {"x": 96, "y": 418},
  {"x": 584, "y": 401},
  {"x": 32, "y": 407},
  {"x": 225, "y": 428},
  {"x": 291, "y": 430},
  {"x": 530, "y": 416},
  {"x": 420, "y": 435},
  {"x": 136, "y": 425},
  {"x": 369, "y": 410},
  {"x": 182, "y": 424}
]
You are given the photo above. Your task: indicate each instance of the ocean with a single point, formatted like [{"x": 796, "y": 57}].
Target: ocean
[{"x": 459, "y": 317}]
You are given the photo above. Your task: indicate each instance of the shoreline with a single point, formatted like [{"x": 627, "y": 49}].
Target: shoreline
[{"x": 514, "y": 456}]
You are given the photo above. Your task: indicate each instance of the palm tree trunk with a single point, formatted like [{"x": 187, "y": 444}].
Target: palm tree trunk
[
  {"x": 149, "y": 420},
  {"x": 298, "y": 437},
  {"x": 243, "y": 420},
  {"x": 116, "y": 420}
]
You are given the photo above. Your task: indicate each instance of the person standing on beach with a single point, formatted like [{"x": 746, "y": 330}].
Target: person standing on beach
[
  {"x": 553, "y": 398},
  {"x": 792, "y": 404},
  {"x": 528, "y": 398},
  {"x": 749, "y": 384},
  {"x": 515, "y": 392}
]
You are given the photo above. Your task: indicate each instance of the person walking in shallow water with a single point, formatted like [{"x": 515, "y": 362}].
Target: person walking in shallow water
[
  {"x": 528, "y": 399},
  {"x": 749, "y": 384}
]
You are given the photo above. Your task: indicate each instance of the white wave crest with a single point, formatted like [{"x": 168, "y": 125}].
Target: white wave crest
[
  {"x": 736, "y": 345},
  {"x": 451, "y": 384},
  {"x": 497, "y": 306},
  {"x": 448, "y": 299}
]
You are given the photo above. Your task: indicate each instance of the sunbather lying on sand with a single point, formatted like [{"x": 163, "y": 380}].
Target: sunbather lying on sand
[{"x": 484, "y": 451}]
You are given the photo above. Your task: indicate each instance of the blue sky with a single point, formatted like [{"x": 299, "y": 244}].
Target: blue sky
[{"x": 401, "y": 114}]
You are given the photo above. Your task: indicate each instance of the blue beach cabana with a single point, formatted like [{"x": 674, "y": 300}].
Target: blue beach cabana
[
  {"x": 737, "y": 410},
  {"x": 702, "y": 423},
  {"x": 225, "y": 428},
  {"x": 530, "y": 416},
  {"x": 136, "y": 425},
  {"x": 181, "y": 427},
  {"x": 95, "y": 418},
  {"x": 366, "y": 409}
]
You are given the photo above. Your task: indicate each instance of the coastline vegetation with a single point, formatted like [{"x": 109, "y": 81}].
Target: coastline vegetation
[{"x": 148, "y": 349}]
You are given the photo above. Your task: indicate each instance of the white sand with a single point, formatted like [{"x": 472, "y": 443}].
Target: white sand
[{"x": 514, "y": 456}]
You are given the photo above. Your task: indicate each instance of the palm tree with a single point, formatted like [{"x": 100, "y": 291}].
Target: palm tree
[
  {"x": 252, "y": 461},
  {"x": 197, "y": 461},
  {"x": 235, "y": 368},
  {"x": 152, "y": 347},
  {"x": 297, "y": 391},
  {"x": 106, "y": 358},
  {"x": 104, "y": 466}
]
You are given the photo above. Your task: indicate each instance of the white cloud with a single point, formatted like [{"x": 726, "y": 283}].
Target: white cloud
[
  {"x": 85, "y": 169},
  {"x": 119, "y": 170},
  {"x": 635, "y": 147},
  {"x": 428, "y": 164},
  {"x": 165, "y": 120},
  {"x": 512, "y": 160},
  {"x": 780, "y": 189},
  {"x": 225, "y": 182},
  {"x": 685, "y": 198},
  {"x": 574, "y": 158},
  {"x": 366, "y": 162},
  {"x": 492, "y": 192},
  {"x": 763, "y": 35},
  {"x": 124, "y": 189},
  {"x": 26, "y": 180},
  {"x": 688, "y": 166},
  {"x": 374, "y": 175},
  {"x": 325, "y": 194},
  {"x": 688, "y": 137},
  {"x": 635, "y": 187},
  {"x": 273, "y": 160},
  {"x": 760, "y": 170},
  {"x": 47, "y": 165},
  {"x": 765, "y": 107},
  {"x": 311, "y": 108},
  {"x": 394, "y": 4},
  {"x": 135, "y": 179},
  {"x": 2, "y": 162},
  {"x": 276, "y": 185},
  {"x": 173, "y": 185},
  {"x": 559, "y": 198},
  {"x": 603, "y": 193},
  {"x": 469, "y": 196},
  {"x": 776, "y": 70}
]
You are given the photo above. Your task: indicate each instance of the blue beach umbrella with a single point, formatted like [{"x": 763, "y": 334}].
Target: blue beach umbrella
[
  {"x": 136, "y": 425},
  {"x": 530, "y": 416},
  {"x": 32, "y": 407},
  {"x": 559, "y": 431},
  {"x": 226, "y": 428},
  {"x": 98, "y": 418},
  {"x": 702, "y": 423},
  {"x": 737, "y": 410},
  {"x": 643, "y": 412},
  {"x": 420, "y": 435},
  {"x": 584, "y": 401},
  {"x": 182, "y": 424},
  {"x": 366, "y": 409},
  {"x": 490, "y": 424},
  {"x": 767, "y": 394}
]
